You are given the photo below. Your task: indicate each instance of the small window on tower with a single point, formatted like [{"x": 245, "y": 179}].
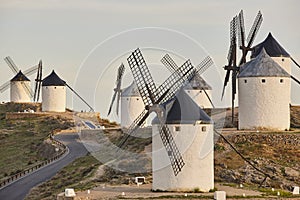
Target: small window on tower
[
  {"x": 177, "y": 128},
  {"x": 281, "y": 80},
  {"x": 203, "y": 128},
  {"x": 54, "y": 87},
  {"x": 200, "y": 91},
  {"x": 282, "y": 59},
  {"x": 137, "y": 99},
  {"x": 245, "y": 81},
  {"x": 263, "y": 80}
]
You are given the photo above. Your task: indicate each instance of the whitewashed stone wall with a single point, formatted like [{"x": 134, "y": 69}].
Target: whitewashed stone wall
[
  {"x": 264, "y": 105},
  {"x": 54, "y": 98},
  {"x": 19, "y": 92},
  {"x": 284, "y": 62},
  {"x": 196, "y": 147},
  {"x": 200, "y": 97},
  {"x": 131, "y": 108}
]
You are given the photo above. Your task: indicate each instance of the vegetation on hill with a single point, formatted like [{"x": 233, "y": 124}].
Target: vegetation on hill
[
  {"x": 278, "y": 154},
  {"x": 23, "y": 141},
  {"x": 75, "y": 175}
]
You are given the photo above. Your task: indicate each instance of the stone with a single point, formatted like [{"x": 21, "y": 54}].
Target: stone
[
  {"x": 220, "y": 195},
  {"x": 69, "y": 192},
  {"x": 296, "y": 190},
  {"x": 291, "y": 172}
]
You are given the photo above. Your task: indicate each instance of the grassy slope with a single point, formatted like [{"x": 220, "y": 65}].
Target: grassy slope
[
  {"x": 224, "y": 155},
  {"x": 71, "y": 176},
  {"x": 22, "y": 141}
]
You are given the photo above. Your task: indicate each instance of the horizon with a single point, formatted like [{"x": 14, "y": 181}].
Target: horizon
[{"x": 72, "y": 37}]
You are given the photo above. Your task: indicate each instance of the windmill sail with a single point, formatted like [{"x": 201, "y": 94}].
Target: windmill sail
[
  {"x": 153, "y": 97},
  {"x": 205, "y": 64},
  {"x": 117, "y": 90}
]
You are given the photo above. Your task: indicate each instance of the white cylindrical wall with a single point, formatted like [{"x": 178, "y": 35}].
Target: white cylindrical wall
[
  {"x": 200, "y": 98},
  {"x": 54, "y": 98},
  {"x": 195, "y": 142},
  {"x": 264, "y": 103},
  {"x": 131, "y": 108},
  {"x": 20, "y": 91},
  {"x": 284, "y": 62}
]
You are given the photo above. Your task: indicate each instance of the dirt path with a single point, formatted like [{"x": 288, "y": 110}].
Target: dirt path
[{"x": 144, "y": 191}]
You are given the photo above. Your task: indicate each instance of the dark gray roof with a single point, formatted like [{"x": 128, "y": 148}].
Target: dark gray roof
[
  {"x": 130, "y": 91},
  {"x": 183, "y": 110},
  {"x": 262, "y": 66},
  {"x": 273, "y": 48},
  {"x": 197, "y": 83},
  {"x": 53, "y": 80},
  {"x": 20, "y": 77}
]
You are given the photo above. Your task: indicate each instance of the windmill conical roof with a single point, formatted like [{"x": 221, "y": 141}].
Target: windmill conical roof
[
  {"x": 262, "y": 66},
  {"x": 197, "y": 83},
  {"x": 130, "y": 91},
  {"x": 20, "y": 77},
  {"x": 183, "y": 110},
  {"x": 272, "y": 47},
  {"x": 53, "y": 80}
]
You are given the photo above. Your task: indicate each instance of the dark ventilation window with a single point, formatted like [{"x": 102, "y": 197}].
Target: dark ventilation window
[
  {"x": 281, "y": 80},
  {"x": 200, "y": 91},
  {"x": 263, "y": 80},
  {"x": 282, "y": 59},
  {"x": 54, "y": 87},
  {"x": 177, "y": 128},
  {"x": 137, "y": 99},
  {"x": 245, "y": 81},
  {"x": 203, "y": 128}
]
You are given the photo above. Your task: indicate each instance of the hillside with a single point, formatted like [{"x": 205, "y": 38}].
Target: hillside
[
  {"x": 277, "y": 154},
  {"x": 24, "y": 141}
]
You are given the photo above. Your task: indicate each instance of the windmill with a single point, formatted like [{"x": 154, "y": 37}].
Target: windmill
[
  {"x": 154, "y": 97},
  {"x": 54, "y": 94},
  {"x": 117, "y": 89},
  {"x": 38, "y": 82},
  {"x": 170, "y": 64},
  {"x": 237, "y": 24},
  {"x": 16, "y": 70}
]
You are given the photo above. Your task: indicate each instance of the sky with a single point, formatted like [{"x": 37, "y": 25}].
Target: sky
[{"x": 86, "y": 40}]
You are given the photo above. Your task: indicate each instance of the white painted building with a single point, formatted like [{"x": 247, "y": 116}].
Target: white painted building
[
  {"x": 20, "y": 88},
  {"x": 275, "y": 51},
  {"x": 264, "y": 94},
  {"x": 192, "y": 131},
  {"x": 200, "y": 91},
  {"x": 53, "y": 94},
  {"x": 131, "y": 105}
]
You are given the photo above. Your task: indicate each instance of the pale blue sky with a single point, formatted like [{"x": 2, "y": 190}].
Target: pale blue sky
[{"x": 63, "y": 33}]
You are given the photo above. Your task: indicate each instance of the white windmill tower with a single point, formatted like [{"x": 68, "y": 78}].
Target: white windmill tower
[
  {"x": 53, "y": 94},
  {"x": 131, "y": 103},
  {"x": 275, "y": 51},
  {"x": 192, "y": 131},
  {"x": 200, "y": 91},
  {"x": 173, "y": 149},
  {"x": 264, "y": 94},
  {"x": 20, "y": 89}
]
